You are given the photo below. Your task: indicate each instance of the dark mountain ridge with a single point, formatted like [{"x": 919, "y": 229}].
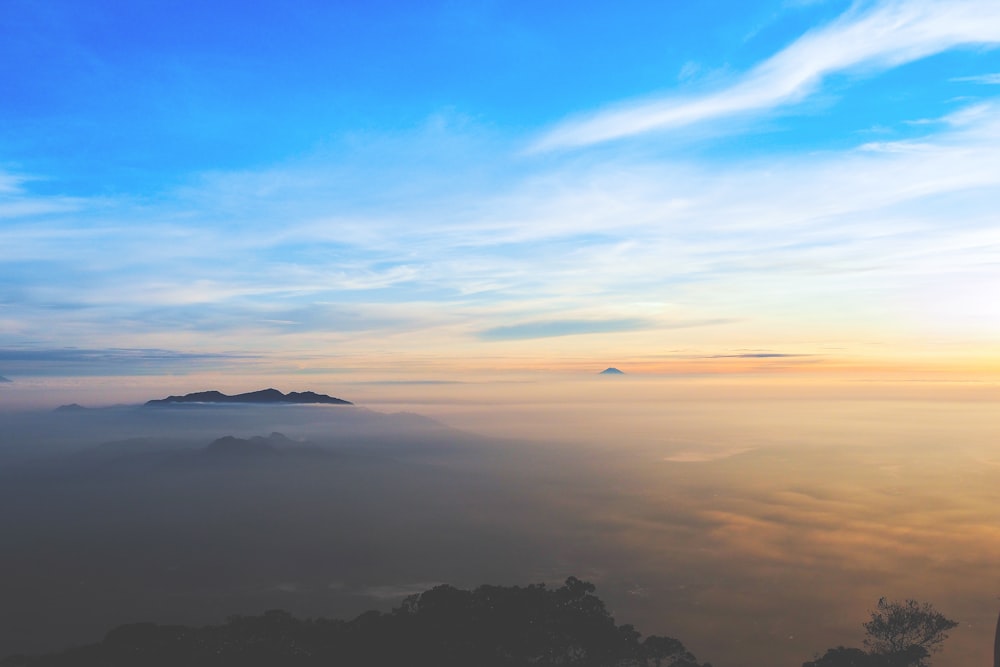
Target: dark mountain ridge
[
  {"x": 255, "y": 397},
  {"x": 273, "y": 445}
]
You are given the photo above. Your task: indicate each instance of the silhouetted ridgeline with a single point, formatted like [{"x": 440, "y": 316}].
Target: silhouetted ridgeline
[
  {"x": 491, "y": 626},
  {"x": 254, "y": 397}
]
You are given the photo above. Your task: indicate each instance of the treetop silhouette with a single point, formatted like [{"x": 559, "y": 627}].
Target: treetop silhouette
[
  {"x": 491, "y": 626},
  {"x": 899, "y": 634}
]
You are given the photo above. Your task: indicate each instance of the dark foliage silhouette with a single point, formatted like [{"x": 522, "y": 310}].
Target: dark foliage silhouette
[
  {"x": 899, "y": 634},
  {"x": 491, "y": 626},
  {"x": 844, "y": 657},
  {"x": 855, "y": 657},
  {"x": 906, "y": 628}
]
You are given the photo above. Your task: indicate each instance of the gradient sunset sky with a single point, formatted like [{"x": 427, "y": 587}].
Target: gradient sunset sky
[{"x": 426, "y": 188}]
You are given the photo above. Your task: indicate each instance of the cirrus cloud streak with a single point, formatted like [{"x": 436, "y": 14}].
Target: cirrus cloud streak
[{"x": 863, "y": 40}]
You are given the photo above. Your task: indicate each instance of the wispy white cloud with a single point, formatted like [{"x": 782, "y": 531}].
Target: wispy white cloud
[
  {"x": 992, "y": 79},
  {"x": 776, "y": 251},
  {"x": 114, "y": 361},
  {"x": 17, "y": 202},
  {"x": 555, "y": 328},
  {"x": 865, "y": 38}
]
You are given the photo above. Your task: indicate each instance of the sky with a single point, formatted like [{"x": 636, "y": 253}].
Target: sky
[{"x": 421, "y": 190}]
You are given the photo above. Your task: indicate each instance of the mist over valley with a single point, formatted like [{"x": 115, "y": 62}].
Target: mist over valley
[{"x": 720, "y": 532}]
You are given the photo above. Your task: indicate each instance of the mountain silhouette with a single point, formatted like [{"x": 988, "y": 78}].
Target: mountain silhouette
[
  {"x": 3, "y": 379},
  {"x": 71, "y": 407},
  {"x": 611, "y": 371},
  {"x": 229, "y": 445},
  {"x": 262, "y": 396}
]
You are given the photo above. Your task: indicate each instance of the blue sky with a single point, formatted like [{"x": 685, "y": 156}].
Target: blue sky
[{"x": 437, "y": 186}]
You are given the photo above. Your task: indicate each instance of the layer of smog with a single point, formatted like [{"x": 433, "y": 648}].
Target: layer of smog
[{"x": 751, "y": 543}]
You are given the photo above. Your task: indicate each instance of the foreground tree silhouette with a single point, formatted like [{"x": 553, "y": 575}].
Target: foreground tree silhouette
[
  {"x": 899, "y": 634},
  {"x": 491, "y": 626},
  {"x": 843, "y": 657},
  {"x": 897, "y": 627}
]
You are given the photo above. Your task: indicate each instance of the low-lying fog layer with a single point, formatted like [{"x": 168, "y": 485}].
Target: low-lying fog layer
[{"x": 757, "y": 529}]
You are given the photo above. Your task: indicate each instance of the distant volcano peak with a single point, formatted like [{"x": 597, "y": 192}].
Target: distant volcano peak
[{"x": 611, "y": 371}]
